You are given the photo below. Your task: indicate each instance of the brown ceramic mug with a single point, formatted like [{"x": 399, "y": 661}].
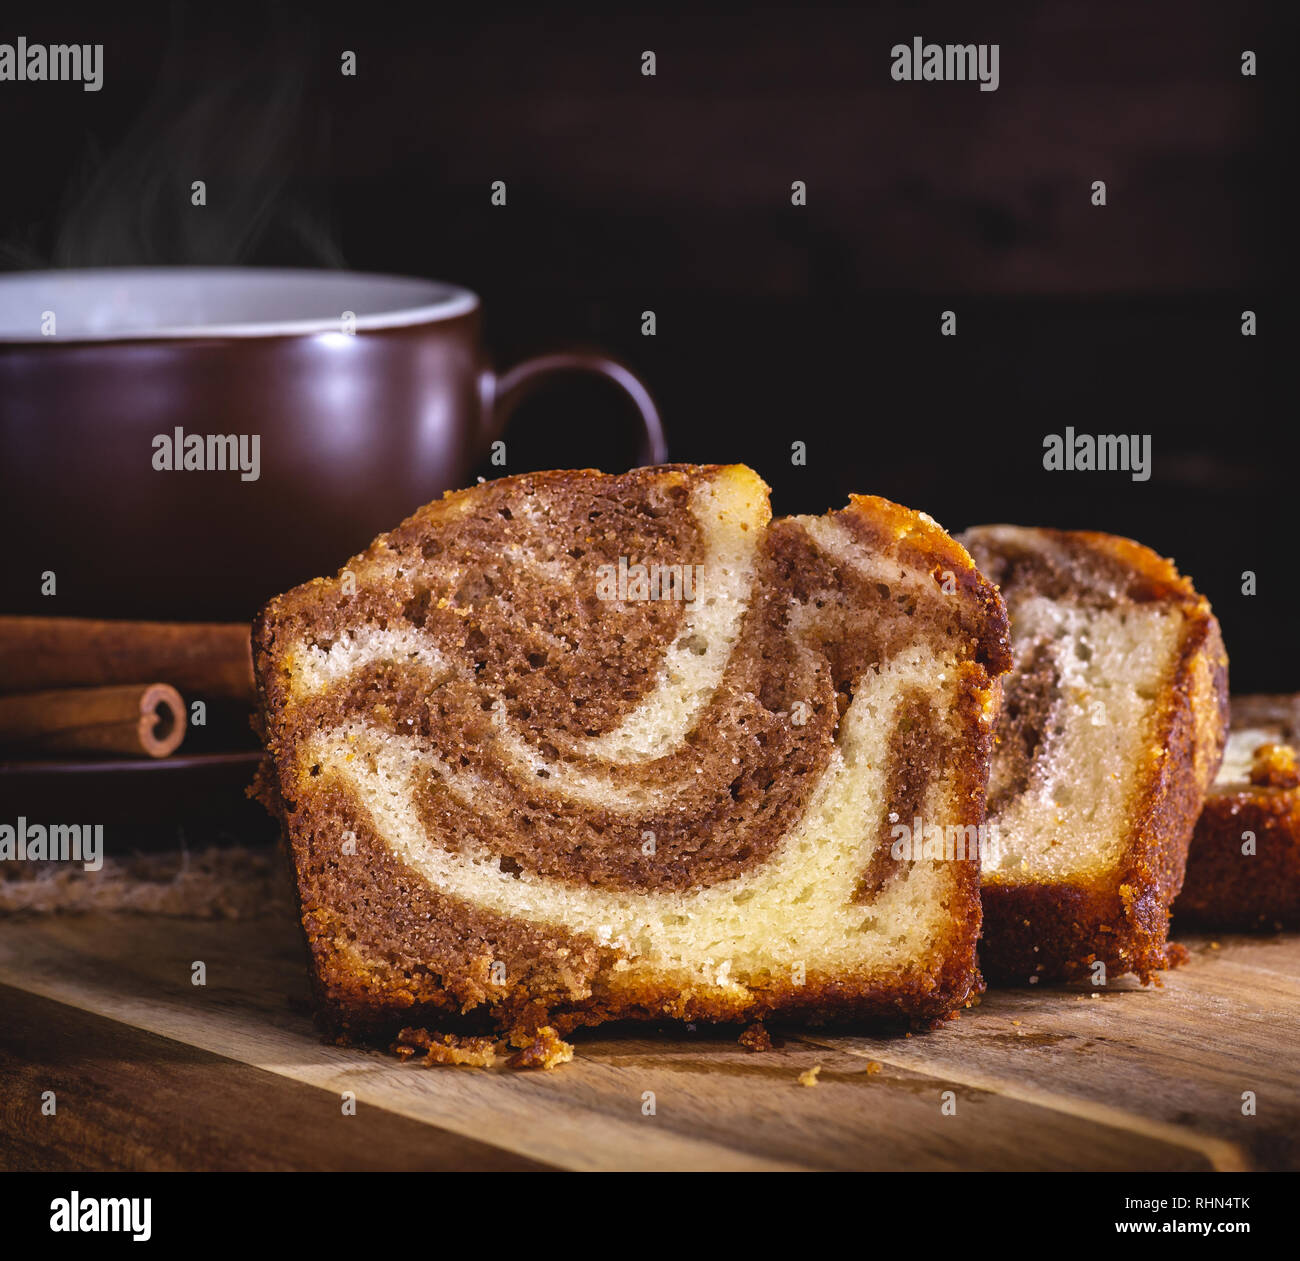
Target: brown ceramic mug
[{"x": 368, "y": 396}]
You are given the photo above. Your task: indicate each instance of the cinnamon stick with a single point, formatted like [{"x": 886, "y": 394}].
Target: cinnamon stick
[
  {"x": 204, "y": 659},
  {"x": 137, "y": 718}
]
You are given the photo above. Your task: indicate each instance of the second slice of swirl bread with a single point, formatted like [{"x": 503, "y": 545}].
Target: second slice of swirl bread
[
  {"x": 1243, "y": 869},
  {"x": 1111, "y": 731},
  {"x": 568, "y": 747}
]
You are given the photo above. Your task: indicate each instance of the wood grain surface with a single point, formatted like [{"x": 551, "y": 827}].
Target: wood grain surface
[{"x": 151, "y": 1071}]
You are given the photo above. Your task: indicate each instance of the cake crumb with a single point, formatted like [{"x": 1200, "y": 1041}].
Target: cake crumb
[
  {"x": 756, "y": 1038},
  {"x": 1275, "y": 767},
  {"x": 809, "y": 1076},
  {"x": 546, "y": 1050},
  {"x": 543, "y": 1048},
  {"x": 446, "y": 1048},
  {"x": 873, "y": 1067}
]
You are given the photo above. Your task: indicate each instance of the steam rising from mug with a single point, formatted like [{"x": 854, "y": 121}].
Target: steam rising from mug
[{"x": 241, "y": 119}]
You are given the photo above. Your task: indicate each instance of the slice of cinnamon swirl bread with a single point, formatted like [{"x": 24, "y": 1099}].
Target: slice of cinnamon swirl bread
[
  {"x": 1243, "y": 870},
  {"x": 1111, "y": 731},
  {"x": 567, "y": 747}
]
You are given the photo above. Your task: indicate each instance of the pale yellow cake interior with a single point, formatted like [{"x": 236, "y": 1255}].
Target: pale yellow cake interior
[{"x": 1076, "y": 817}]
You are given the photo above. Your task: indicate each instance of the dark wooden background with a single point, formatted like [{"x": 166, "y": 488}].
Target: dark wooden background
[{"x": 775, "y": 323}]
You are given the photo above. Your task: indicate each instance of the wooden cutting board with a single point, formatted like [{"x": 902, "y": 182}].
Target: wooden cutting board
[{"x": 151, "y": 1071}]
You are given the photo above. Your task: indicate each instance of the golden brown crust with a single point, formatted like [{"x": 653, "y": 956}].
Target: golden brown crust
[
  {"x": 1227, "y": 888},
  {"x": 1243, "y": 870},
  {"x": 1060, "y": 930},
  {"x": 919, "y": 541},
  {"x": 366, "y": 915}
]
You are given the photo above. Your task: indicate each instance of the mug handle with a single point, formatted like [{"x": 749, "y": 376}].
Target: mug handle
[{"x": 502, "y": 394}]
